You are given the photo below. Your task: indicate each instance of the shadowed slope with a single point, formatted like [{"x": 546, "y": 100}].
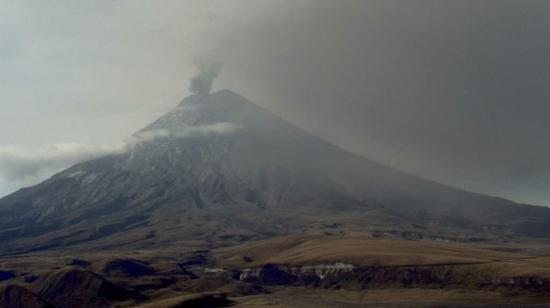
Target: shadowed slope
[
  {"x": 124, "y": 267},
  {"x": 14, "y": 296},
  {"x": 79, "y": 288}
]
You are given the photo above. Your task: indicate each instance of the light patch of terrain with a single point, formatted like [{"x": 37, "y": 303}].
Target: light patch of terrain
[{"x": 361, "y": 251}]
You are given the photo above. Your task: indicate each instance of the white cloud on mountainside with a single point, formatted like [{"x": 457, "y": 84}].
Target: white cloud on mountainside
[
  {"x": 26, "y": 165},
  {"x": 222, "y": 128}
]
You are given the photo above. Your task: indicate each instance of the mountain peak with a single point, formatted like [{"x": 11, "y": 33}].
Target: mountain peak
[
  {"x": 197, "y": 110},
  {"x": 221, "y": 108}
]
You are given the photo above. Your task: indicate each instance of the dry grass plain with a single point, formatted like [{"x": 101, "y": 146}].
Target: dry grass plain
[{"x": 474, "y": 274}]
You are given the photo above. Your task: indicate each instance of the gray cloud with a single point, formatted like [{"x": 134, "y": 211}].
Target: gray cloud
[
  {"x": 450, "y": 90},
  {"x": 201, "y": 84}
]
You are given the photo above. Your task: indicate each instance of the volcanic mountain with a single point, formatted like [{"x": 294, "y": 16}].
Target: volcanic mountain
[{"x": 219, "y": 169}]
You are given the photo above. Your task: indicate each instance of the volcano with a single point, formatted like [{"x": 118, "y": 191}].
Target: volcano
[{"x": 218, "y": 170}]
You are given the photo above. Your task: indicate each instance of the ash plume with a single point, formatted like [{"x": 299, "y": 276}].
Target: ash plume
[{"x": 201, "y": 84}]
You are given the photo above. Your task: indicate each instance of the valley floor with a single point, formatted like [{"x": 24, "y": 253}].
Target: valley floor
[
  {"x": 401, "y": 298},
  {"x": 292, "y": 271}
]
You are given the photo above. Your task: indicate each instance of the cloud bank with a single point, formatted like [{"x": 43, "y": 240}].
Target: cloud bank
[{"x": 26, "y": 165}]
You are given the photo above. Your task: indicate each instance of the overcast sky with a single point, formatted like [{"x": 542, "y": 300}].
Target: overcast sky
[{"x": 455, "y": 91}]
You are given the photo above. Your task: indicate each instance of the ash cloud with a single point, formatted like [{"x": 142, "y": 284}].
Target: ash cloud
[
  {"x": 454, "y": 91},
  {"x": 208, "y": 70}
]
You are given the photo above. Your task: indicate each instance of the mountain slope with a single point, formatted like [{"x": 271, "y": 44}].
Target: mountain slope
[{"x": 219, "y": 169}]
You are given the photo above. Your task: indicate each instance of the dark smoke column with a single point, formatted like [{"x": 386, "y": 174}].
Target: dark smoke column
[{"x": 201, "y": 84}]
